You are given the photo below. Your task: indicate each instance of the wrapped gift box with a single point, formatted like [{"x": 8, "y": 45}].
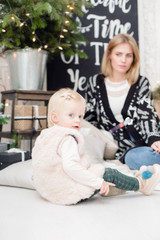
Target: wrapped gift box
[
  {"x": 4, "y": 147},
  {"x": 8, "y": 158},
  {"x": 25, "y": 114}
]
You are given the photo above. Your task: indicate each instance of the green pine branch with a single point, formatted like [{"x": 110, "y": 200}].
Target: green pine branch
[
  {"x": 3, "y": 117},
  {"x": 36, "y": 23}
]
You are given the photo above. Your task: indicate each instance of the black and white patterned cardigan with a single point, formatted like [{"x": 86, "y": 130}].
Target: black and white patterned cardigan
[{"x": 138, "y": 106}]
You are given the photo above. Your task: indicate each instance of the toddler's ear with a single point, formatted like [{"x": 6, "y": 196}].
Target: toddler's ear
[{"x": 54, "y": 117}]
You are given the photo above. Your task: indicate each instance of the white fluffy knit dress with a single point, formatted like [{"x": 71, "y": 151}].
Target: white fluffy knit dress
[{"x": 50, "y": 179}]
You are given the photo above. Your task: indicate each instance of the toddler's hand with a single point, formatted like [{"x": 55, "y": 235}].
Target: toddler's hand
[{"x": 105, "y": 187}]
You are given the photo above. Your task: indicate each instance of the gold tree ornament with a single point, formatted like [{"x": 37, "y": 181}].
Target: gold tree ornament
[{"x": 156, "y": 93}]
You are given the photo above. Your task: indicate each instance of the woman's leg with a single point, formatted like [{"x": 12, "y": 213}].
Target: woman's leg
[
  {"x": 139, "y": 156},
  {"x": 121, "y": 181}
]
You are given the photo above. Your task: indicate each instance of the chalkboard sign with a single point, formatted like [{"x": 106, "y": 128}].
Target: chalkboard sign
[{"x": 99, "y": 24}]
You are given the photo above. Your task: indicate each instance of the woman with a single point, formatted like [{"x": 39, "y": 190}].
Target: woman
[{"x": 120, "y": 101}]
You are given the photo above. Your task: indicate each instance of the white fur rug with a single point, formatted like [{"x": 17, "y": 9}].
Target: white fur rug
[{"x": 24, "y": 215}]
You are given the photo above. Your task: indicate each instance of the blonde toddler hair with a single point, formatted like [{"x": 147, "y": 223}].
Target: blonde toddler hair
[{"x": 59, "y": 98}]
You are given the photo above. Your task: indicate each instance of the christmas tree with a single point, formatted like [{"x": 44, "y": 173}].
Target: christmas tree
[
  {"x": 50, "y": 25},
  {"x": 3, "y": 117}
]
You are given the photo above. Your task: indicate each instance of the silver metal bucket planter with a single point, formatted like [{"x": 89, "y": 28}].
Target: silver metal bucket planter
[{"x": 27, "y": 68}]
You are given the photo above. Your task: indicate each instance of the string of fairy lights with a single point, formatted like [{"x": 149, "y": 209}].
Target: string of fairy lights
[{"x": 67, "y": 12}]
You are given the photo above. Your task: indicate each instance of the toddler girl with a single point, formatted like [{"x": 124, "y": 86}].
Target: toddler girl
[{"x": 62, "y": 171}]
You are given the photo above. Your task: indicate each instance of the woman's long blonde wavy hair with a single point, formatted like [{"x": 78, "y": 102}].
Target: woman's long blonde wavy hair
[{"x": 133, "y": 72}]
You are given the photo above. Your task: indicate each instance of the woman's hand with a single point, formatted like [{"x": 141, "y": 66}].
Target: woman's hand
[
  {"x": 156, "y": 146},
  {"x": 105, "y": 187}
]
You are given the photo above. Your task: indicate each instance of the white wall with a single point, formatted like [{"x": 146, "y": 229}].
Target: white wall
[
  {"x": 4, "y": 75},
  {"x": 149, "y": 39}
]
